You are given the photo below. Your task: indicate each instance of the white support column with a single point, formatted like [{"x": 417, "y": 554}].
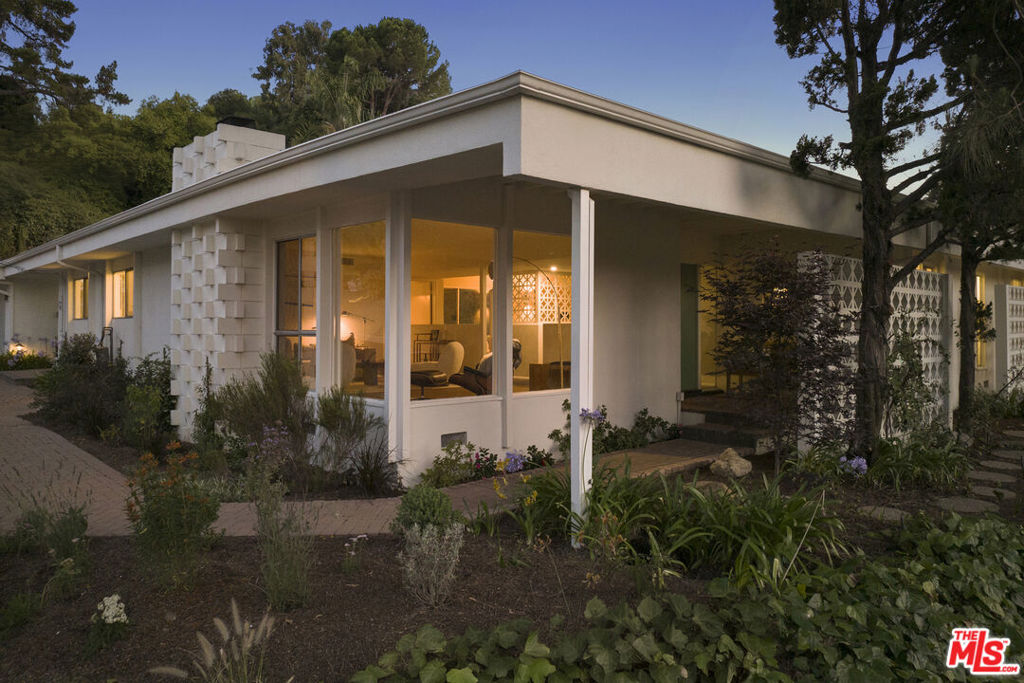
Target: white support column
[
  {"x": 582, "y": 394},
  {"x": 326, "y": 311},
  {"x": 397, "y": 315},
  {"x": 1001, "y": 318},
  {"x": 502, "y": 312}
]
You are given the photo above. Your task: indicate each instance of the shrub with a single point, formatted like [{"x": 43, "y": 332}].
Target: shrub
[
  {"x": 371, "y": 468},
  {"x": 608, "y": 438},
  {"x": 429, "y": 560},
  {"x": 283, "y": 533},
  {"x": 929, "y": 457},
  {"x": 452, "y": 467},
  {"x": 274, "y": 395},
  {"x": 84, "y": 388},
  {"x": 23, "y": 360},
  {"x": 782, "y": 331},
  {"x": 238, "y": 657},
  {"x": 424, "y": 505},
  {"x": 208, "y": 438},
  {"x": 20, "y": 609},
  {"x": 346, "y": 424},
  {"x": 146, "y": 412},
  {"x": 109, "y": 623},
  {"x": 171, "y": 516}
]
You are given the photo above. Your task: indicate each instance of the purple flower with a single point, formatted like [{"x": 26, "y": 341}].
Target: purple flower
[
  {"x": 593, "y": 417},
  {"x": 514, "y": 461},
  {"x": 856, "y": 466}
]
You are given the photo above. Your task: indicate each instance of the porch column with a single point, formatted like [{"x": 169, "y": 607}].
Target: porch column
[
  {"x": 326, "y": 311},
  {"x": 502, "y": 321},
  {"x": 1001, "y": 319},
  {"x": 582, "y": 393},
  {"x": 397, "y": 316}
]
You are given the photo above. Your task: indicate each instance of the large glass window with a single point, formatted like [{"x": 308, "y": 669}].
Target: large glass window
[
  {"x": 452, "y": 271},
  {"x": 296, "y": 304},
  {"x": 124, "y": 293},
  {"x": 359, "y": 344},
  {"x": 542, "y": 310},
  {"x": 79, "y": 298}
]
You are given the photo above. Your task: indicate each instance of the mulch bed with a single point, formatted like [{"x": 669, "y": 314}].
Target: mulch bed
[{"x": 354, "y": 615}]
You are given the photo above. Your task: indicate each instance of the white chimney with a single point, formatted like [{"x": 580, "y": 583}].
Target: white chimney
[{"x": 225, "y": 148}]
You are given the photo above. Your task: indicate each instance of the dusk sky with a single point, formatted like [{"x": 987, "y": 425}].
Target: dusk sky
[{"x": 711, "y": 65}]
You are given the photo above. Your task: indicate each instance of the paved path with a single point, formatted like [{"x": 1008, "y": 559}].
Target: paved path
[{"x": 37, "y": 465}]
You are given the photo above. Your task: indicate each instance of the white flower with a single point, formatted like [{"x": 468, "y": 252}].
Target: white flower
[{"x": 111, "y": 610}]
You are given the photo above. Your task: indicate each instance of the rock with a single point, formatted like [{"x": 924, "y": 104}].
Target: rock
[
  {"x": 731, "y": 464},
  {"x": 712, "y": 487},
  {"x": 968, "y": 506},
  {"x": 992, "y": 493},
  {"x": 883, "y": 513}
]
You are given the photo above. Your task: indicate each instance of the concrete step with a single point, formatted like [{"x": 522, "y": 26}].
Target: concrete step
[
  {"x": 1009, "y": 456},
  {"x": 1001, "y": 466},
  {"x": 967, "y": 506},
  {"x": 727, "y": 435},
  {"x": 993, "y": 494},
  {"x": 697, "y": 416},
  {"x": 987, "y": 477}
]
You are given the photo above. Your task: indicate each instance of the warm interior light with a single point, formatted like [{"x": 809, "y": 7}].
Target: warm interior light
[{"x": 554, "y": 268}]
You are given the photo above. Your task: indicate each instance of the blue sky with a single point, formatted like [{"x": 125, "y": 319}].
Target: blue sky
[{"x": 713, "y": 65}]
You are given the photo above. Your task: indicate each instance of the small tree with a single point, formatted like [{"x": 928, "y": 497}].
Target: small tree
[{"x": 781, "y": 329}]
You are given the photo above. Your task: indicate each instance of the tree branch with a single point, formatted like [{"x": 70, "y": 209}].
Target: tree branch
[
  {"x": 909, "y": 225},
  {"x": 910, "y": 180},
  {"x": 924, "y": 115},
  {"x": 915, "y": 196},
  {"x": 917, "y": 259},
  {"x": 902, "y": 168}
]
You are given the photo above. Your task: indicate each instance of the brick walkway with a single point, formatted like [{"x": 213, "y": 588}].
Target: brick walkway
[{"x": 37, "y": 465}]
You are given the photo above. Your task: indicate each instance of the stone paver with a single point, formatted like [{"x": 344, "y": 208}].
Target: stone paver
[
  {"x": 886, "y": 514},
  {"x": 40, "y": 467},
  {"x": 1012, "y": 456},
  {"x": 990, "y": 477},
  {"x": 1014, "y": 434},
  {"x": 1001, "y": 465},
  {"x": 969, "y": 506},
  {"x": 992, "y": 493}
]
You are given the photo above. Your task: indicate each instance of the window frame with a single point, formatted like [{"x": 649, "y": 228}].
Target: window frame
[
  {"x": 280, "y": 332},
  {"x": 127, "y": 292},
  {"x": 79, "y": 312}
]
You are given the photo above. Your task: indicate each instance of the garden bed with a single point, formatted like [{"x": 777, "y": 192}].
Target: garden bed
[{"x": 358, "y": 608}]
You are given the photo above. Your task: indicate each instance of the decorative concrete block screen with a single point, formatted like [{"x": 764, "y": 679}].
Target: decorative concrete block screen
[
  {"x": 541, "y": 298},
  {"x": 920, "y": 304},
  {"x": 217, "y": 309},
  {"x": 1009, "y": 321}
]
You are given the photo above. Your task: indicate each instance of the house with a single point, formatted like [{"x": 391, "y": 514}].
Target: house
[{"x": 520, "y": 217}]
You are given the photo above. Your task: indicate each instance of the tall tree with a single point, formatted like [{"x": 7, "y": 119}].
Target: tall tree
[
  {"x": 33, "y": 37},
  {"x": 315, "y": 81},
  {"x": 982, "y": 190},
  {"x": 868, "y": 51}
]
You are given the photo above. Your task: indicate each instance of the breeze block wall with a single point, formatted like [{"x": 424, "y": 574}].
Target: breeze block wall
[
  {"x": 217, "y": 309},
  {"x": 225, "y": 148}
]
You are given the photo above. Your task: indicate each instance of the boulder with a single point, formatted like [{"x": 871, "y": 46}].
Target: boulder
[{"x": 731, "y": 464}]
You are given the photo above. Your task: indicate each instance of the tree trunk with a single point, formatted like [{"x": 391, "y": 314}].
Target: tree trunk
[
  {"x": 968, "y": 329},
  {"x": 875, "y": 312}
]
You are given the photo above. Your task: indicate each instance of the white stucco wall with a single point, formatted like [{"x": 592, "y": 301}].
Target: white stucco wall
[
  {"x": 153, "y": 300},
  {"x": 637, "y": 314},
  {"x": 31, "y": 312}
]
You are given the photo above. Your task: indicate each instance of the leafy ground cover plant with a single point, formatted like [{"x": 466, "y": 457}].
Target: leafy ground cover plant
[
  {"x": 862, "y": 620},
  {"x": 171, "y": 516},
  {"x": 461, "y": 462},
  {"x": 930, "y": 457}
]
